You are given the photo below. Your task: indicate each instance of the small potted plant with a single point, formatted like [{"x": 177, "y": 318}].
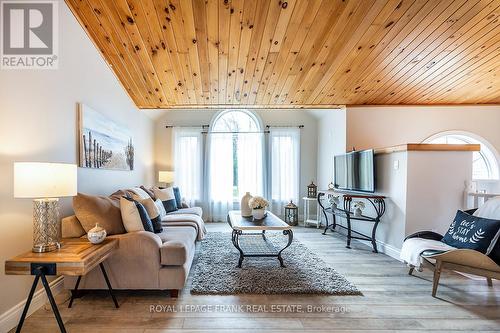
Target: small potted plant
[
  {"x": 358, "y": 208},
  {"x": 258, "y": 205}
]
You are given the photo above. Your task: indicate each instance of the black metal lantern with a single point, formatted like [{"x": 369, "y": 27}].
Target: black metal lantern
[
  {"x": 291, "y": 214},
  {"x": 312, "y": 190}
]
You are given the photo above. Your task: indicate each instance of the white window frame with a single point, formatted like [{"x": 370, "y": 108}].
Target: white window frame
[{"x": 489, "y": 154}]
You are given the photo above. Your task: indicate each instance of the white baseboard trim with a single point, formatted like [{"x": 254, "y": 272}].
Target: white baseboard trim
[
  {"x": 382, "y": 247},
  {"x": 10, "y": 318}
]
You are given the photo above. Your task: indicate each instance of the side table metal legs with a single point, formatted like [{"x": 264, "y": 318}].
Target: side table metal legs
[
  {"x": 75, "y": 292},
  {"x": 40, "y": 274}
]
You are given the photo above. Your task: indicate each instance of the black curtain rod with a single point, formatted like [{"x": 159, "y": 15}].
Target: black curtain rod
[
  {"x": 208, "y": 126},
  {"x": 194, "y": 126},
  {"x": 299, "y": 126},
  {"x": 260, "y": 132}
]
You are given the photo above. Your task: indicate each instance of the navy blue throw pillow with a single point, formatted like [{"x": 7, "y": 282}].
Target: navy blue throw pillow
[
  {"x": 178, "y": 198},
  {"x": 157, "y": 227},
  {"x": 170, "y": 205},
  {"x": 472, "y": 232}
]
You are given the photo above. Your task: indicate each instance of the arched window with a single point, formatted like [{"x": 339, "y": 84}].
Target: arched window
[
  {"x": 236, "y": 146},
  {"x": 484, "y": 162},
  {"x": 236, "y": 121}
]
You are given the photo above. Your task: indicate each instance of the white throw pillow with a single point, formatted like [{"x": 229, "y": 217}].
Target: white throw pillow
[
  {"x": 130, "y": 216},
  {"x": 139, "y": 194},
  {"x": 161, "y": 208},
  {"x": 164, "y": 194},
  {"x": 490, "y": 209}
]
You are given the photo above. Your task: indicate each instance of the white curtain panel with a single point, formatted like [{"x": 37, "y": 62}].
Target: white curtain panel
[
  {"x": 284, "y": 164},
  {"x": 188, "y": 165},
  {"x": 250, "y": 148},
  {"x": 220, "y": 176}
]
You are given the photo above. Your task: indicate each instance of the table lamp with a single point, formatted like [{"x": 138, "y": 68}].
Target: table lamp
[
  {"x": 166, "y": 177},
  {"x": 45, "y": 183}
]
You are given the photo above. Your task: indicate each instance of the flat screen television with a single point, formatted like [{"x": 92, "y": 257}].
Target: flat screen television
[{"x": 355, "y": 171}]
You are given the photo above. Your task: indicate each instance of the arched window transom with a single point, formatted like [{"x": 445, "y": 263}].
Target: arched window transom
[{"x": 484, "y": 162}]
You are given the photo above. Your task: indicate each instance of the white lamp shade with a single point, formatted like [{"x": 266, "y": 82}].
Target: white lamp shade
[
  {"x": 166, "y": 176},
  {"x": 44, "y": 180}
]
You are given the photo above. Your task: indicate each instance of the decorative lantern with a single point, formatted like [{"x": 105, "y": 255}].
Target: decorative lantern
[
  {"x": 291, "y": 214},
  {"x": 312, "y": 190}
]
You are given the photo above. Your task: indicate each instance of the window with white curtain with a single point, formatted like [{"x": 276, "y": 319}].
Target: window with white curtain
[
  {"x": 285, "y": 164},
  {"x": 235, "y": 166},
  {"x": 188, "y": 162},
  {"x": 484, "y": 162}
]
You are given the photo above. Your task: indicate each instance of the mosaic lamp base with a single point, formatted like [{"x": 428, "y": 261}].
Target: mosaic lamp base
[{"x": 46, "y": 225}]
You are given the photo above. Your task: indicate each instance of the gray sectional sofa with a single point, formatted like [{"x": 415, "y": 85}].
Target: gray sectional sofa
[{"x": 146, "y": 260}]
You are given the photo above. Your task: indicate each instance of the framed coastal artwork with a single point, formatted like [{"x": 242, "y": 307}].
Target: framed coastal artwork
[{"x": 103, "y": 143}]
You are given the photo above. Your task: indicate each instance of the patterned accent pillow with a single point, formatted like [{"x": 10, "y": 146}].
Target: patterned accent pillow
[
  {"x": 167, "y": 197},
  {"x": 153, "y": 213},
  {"x": 472, "y": 232},
  {"x": 134, "y": 215}
]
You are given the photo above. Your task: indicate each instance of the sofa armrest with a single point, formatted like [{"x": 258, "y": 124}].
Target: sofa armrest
[
  {"x": 426, "y": 235},
  {"x": 139, "y": 246}
]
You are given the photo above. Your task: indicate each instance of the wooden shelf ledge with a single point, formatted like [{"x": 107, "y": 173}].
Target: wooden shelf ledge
[{"x": 428, "y": 147}]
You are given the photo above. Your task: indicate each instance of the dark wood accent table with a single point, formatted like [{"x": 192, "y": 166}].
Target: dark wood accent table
[
  {"x": 376, "y": 201},
  {"x": 243, "y": 226},
  {"x": 76, "y": 257}
]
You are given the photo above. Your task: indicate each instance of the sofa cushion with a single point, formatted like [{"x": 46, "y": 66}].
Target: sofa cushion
[
  {"x": 91, "y": 209},
  {"x": 472, "y": 232},
  {"x": 178, "y": 244},
  {"x": 71, "y": 227},
  {"x": 193, "y": 210},
  {"x": 167, "y": 197},
  {"x": 134, "y": 215},
  {"x": 153, "y": 212}
]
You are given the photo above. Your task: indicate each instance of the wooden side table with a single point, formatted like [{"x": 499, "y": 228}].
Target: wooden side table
[{"x": 76, "y": 257}]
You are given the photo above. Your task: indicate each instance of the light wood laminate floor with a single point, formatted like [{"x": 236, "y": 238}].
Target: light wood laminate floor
[{"x": 391, "y": 301}]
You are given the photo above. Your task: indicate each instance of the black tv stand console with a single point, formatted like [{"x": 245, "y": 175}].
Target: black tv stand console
[{"x": 344, "y": 210}]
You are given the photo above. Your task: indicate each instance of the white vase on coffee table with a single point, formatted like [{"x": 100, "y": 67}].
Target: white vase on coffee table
[
  {"x": 246, "y": 211},
  {"x": 259, "y": 214}
]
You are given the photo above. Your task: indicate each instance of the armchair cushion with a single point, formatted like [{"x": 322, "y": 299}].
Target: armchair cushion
[{"x": 472, "y": 232}]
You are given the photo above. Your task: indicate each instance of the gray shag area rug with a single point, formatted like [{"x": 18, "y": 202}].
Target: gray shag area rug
[{"x": 216, "y": 270}]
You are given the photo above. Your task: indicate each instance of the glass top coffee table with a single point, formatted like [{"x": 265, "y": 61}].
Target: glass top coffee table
[{"x": 245, "y": 230}]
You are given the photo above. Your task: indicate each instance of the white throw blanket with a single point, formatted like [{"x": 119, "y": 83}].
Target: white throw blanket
[
  {"x": 186, "y": 220},
  {"x": 413, "y": 247}
]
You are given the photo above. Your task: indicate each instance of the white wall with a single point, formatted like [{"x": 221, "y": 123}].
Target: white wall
[
  {"x": 38, "y": 123},
  {"x": 308, "y": 136},
  {"x": 331, "y": 142},
  {"x": 385, "y": 126}
]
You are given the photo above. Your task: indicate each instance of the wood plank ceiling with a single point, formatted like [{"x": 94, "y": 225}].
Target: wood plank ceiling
[{"x": 298, "y": 53}]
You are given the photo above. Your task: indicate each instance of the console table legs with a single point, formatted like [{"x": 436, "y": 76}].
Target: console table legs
[
  {"x": 40, "y": 274},
  {"x": 74, "y": 292}
]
